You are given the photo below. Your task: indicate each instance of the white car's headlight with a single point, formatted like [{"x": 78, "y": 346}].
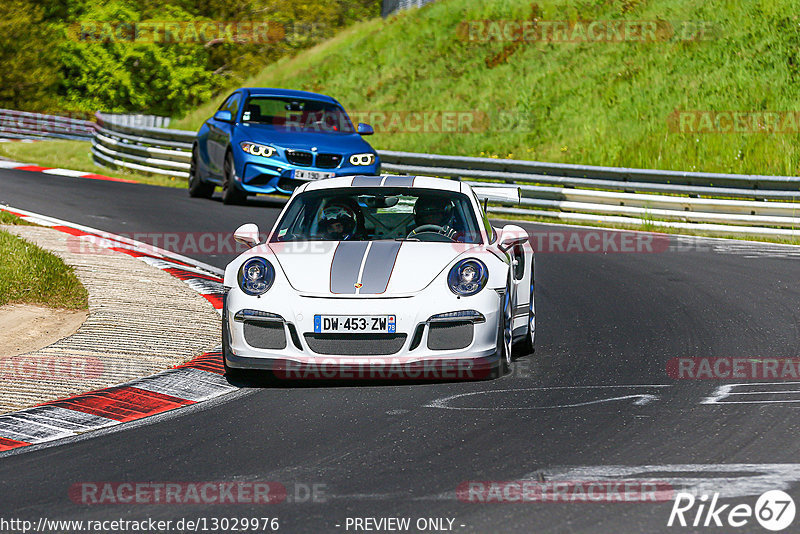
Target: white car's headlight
[
  {"x": 258, "y": 150},
  {"x": 362, "y": 159},
  {"x": 256, "y": 276},
  {"x": 467, "y": 277}
]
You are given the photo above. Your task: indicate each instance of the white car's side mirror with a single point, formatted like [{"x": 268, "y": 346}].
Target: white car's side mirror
[
  {"x": 247, "y": 234},
  {"x": 511, "y": 235}
]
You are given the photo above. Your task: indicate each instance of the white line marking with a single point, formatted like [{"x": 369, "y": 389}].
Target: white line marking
[
  {"x": 729, "y": 480},
  {"x": 66, "y": 172},
  {"x": 641, "y": 399},
  {"x": 728, "y": 390}
]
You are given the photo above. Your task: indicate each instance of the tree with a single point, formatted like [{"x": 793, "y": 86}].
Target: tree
[{"x": 28, "y": 61}]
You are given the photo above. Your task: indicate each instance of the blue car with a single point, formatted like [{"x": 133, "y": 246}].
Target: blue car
[{"x": 272, "y": 140}]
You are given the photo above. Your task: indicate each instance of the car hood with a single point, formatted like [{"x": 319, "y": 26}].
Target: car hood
[
  {"x": 382, "y": 268},
  {"x": 343, "y": 143}
]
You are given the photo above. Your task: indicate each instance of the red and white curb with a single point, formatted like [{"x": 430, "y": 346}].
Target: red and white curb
[
  {"x": 198, "y": 380},
  {"x": 15, "y": 165}
]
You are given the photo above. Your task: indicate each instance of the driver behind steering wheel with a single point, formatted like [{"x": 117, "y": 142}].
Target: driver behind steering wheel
[
  {"x": 434, "y": 211},
  {"x": 338, "y": 222}
]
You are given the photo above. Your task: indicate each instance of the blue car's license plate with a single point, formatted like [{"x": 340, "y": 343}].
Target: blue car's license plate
[{"x": 299, "y": 174}]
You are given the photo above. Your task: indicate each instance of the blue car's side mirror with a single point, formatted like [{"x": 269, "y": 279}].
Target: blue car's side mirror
[
  {"x": 223, "y": 115},
  {"x": 364, "y": 129}
]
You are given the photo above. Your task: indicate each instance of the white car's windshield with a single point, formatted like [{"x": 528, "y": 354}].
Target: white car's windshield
[{"x": 394, "y": 213}]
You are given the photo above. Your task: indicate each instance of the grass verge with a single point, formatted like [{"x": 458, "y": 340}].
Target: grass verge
[
  {"x": 573, "y": 100},
  {"x": 75, "y": 155},
  {"x": 31, "y": 275},
  {"x": 7, "y": 218}
]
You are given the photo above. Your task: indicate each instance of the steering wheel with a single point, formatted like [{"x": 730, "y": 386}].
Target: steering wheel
[{"x": 429, "y": 229}]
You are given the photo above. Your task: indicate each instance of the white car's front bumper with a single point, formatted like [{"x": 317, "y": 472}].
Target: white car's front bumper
[{"x": 458, "y": 349}]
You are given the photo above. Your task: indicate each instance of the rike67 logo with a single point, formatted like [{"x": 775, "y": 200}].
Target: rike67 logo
[{"x": 774, "y": 510}]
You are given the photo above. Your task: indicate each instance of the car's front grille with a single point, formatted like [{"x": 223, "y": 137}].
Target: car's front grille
[
  {"x": 450, "y": 336},
  {"x": 356, "y": 344},
  {"x": 299, "y": 157},
  {"x": 328, "y": 161},
  {"x": 265, "y": 335}
]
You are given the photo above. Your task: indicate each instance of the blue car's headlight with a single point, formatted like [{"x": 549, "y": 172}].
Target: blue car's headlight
[
  {"x": 362, "y": 159},
  {"x": 256, "y": 276},
  {"x": 258, "y": 150},
  {"x": 467, "y": 277}
]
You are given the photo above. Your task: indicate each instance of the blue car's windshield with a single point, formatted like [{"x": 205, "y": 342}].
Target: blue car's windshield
[
  {"x": 296, "y": 114},
  {"x": 356, "y": 214}
]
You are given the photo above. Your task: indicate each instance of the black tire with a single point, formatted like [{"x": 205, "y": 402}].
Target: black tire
[
  {"x": 504, "y": 337},
  {"x": 197, "y": 187},
  {"x": 231, "y": 195},
  {"x": 232, "y": 374},
  {"x": 527, "y": 345}
]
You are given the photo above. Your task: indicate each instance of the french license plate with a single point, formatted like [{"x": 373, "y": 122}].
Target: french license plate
[
  {"x": 311, "y": 175},
  {"x": 336, "y": 324}
]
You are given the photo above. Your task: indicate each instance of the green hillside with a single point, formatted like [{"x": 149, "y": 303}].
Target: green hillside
[{"x": 585, "y": 101}]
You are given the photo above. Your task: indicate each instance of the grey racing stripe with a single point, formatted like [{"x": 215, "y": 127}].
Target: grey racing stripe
[
  {"x": 366, "y": 181},
  {"x": 345, "y": 266},
  {"x": 399, "y": 181},
  {"x": 378, "y": 267}
]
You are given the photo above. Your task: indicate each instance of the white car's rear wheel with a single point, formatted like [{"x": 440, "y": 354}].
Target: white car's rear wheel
[{"x": 526, "y": 346}]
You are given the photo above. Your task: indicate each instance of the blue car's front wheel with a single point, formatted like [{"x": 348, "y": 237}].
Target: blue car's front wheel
[{"x": 230, "y": 194}]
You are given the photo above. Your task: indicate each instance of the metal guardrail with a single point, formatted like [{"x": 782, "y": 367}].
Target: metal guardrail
[
  {"x": 25, "y": 125},
  {"x": 391, "y": 6},
  {"x": 139, "y": 120},
  {"x": 747, "y": 204},
  {"x": 152, "y": 150}
]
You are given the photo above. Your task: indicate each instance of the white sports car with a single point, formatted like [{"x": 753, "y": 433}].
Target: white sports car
[{"x": 381, "y": 277}]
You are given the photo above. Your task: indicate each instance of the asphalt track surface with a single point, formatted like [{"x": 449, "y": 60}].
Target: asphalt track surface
[{"x": 393, "y": 450}]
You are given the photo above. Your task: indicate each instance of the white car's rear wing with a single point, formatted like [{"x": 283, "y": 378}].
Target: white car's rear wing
[{"x": 498, "y": 193}]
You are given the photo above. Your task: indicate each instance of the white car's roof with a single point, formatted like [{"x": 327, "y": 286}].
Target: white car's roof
[{"x": 386, "y": 180}]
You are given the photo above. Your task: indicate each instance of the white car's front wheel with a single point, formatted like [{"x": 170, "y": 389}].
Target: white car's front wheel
[
  {"x": 230, "y": 373},
  {"x": 504, "y": 334}
]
